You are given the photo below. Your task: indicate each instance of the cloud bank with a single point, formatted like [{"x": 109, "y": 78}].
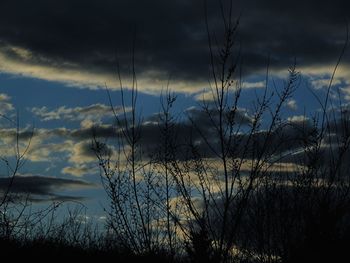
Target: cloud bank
[{"x": 79, "y": 42}]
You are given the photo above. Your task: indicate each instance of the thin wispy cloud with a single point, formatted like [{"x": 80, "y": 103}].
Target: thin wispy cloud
[{"x": 92, "y": 112}]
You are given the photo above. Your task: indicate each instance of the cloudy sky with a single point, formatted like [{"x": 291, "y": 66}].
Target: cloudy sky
[{"x": 57, "y": 57}]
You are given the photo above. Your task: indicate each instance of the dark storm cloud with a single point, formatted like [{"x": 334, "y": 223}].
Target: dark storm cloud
[
  {"x": 198, "y": 128},
  {"x": 210, "y": 117},
  {"x": 97, "y": 131},
  {"x": 333, "y": 151},
  {"x": 170, "y": 35},
  {"x": 39, "y": 188},
  {"x": 312, "y": 31},
  {"x": 200, "y": 132}
]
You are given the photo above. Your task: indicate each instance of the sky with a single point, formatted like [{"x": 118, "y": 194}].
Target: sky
[{"x": 57, "y": 57}]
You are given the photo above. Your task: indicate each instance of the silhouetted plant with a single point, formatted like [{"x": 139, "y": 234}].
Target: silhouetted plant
[
  {"x": 222, "y": 194},
  {"x": 12, "y": 206}
]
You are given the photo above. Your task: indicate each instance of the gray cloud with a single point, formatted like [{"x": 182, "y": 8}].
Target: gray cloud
[
  {"x": 286, "y": 140},
  {"x": 210, "y": 117},
  {"x": 87, "y": 36},
  {"x": 82, "y": 133},
  {"x": 5, "y": 104},
  {"x": 40, "y": 188},
  {"x": 330, "y": 159},
  {"x": 10, "y": 134},
  {"x": 198, "y": 129},
  {"x": 91, "y": 112},
  {"x": 78, "y": 170}
]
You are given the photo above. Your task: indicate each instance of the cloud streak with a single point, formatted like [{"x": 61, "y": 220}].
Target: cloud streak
[
  {"x": 41, "y": 188},
  {"x": 91, "y": 112}
]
